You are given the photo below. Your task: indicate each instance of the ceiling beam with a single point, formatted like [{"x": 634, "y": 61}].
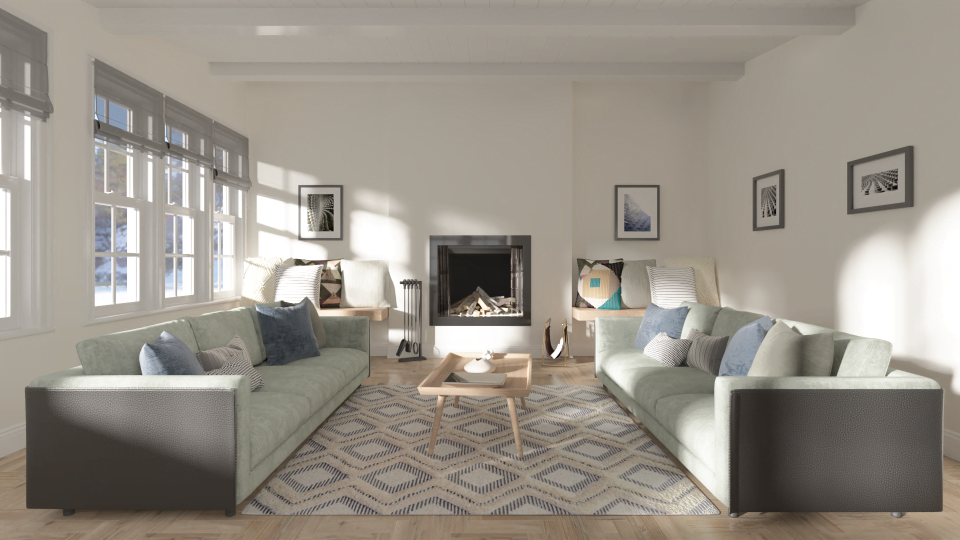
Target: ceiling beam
[
  {"x": 410, "y": 72},
  {"x": 427, "y": 22}
]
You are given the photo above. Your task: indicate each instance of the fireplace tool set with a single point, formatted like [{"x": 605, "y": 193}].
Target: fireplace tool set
[{"x": 412, "y": 320}]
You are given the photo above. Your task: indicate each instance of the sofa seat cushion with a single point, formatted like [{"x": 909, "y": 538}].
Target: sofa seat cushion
[
  {"x": 316, "y": 384},
  {"x": 647, "y": 381},
  {"x": 274, "y": 416},
  {"x": 351, "y": 362},
  {"x": 689, "y": 417}
]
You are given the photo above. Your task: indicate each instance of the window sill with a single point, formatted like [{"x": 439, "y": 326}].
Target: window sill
[
  {"x": 172, "y": 309},
  {"x": 24, "y": 332}
]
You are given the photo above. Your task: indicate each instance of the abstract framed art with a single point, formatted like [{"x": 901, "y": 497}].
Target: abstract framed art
[
  {"x": 880, "y": 182},
  {"x": 636, "y": 213},
  {"x": 321, "y": 212},
  {"x": 768, "y": 201}
]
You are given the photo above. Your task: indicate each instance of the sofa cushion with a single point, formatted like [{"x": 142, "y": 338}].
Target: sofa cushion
[
  {"x": 699, "y": 317},
  {"x": 730, "y": 320},
  {"x": 316, "y": 384},
  {"x": 742, "y": 348},
  {"x": 287, "y": 333},
  {"x": 274, "y": 416},
  {"x": 119, "y": 353},
  {"x": 256, "y": 325},
  {"x": 214, "y": 330},
  {"x": 689, "y": 418},
  {"x": 168, "y": 356},
  {"x": 853, "y": 356},
  {"x": 657, "y": 320},
  {"x": 351, "y": 362},
  {"x": 787, "y": 353},
  {"x": 315, "y": 322},
  {"x": 647, "y": 381}
]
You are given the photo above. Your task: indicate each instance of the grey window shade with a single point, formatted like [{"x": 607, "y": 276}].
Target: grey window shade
[
  {"x": 197, "y": 146},
  {"x": 143, "y": 127},
  {"x": 236, "y": 171},
  {"x": 24, "y": 83}
]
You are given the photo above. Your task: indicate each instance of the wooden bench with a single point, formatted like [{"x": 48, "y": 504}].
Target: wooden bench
[
  {"x": 372, "y": 313},
  {"x": 591, "y": 314}
]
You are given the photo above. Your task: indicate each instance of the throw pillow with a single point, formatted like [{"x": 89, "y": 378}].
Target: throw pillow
[
  {"x": 667, "y": 350},
  {"x": 657, "y": 320},
  {"x": 742, "y": 348},
  {"x": 259, "y": 283},
  {"x": 216, "y": 358},
  {"x": 705, "y": 270},
  {"x": 240, "y": 366},
  {"x": 599, "y": 286},
  {"x": 706, "y": 352},
  {"x": 364, "y": 283},
  {"x": 670, "y": 287},
  {"x": 635, "y": 283},
  {"x": 296, "y": 282},
  {"x": 331, "y": 281},
  {"x": 168, "y": 356},
  {"x": 315, "y": 322},
  {"x": 287, "y": 333},
  {"x": 584, "y": 266},
  {"x": 787, "y": 353}
]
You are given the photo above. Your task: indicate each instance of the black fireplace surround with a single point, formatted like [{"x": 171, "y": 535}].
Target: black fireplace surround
[{"x": 500, "y": 265}]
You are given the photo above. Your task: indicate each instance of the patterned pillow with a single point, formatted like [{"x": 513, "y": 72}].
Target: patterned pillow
[
  {"x": 706, "y": 353},
  {"x": 666, "y": 350},
  {"x": 670, "y": 287},
  {"x": 216, "y": 358},
  {"x": 598, "y": 285},
  {"x": 294, "y": 283},
  {"x": 331, "y": 281},
  {"x": 258, "y": 278},
  {"x": 240, "y": 366}
]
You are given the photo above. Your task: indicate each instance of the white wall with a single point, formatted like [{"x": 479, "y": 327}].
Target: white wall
[
  {"x": 75, "y": 36},
  {"x": 478, "y": 159},
  {"x": 811, "y": 106}
]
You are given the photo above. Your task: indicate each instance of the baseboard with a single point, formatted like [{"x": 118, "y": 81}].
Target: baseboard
[
  {"x": 951, "y": 444},
  {"x": 13, "y": 438}
]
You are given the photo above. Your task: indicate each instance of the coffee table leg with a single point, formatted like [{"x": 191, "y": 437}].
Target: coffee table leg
[
  {"x": 436, "y": 423},
  {"x": 523, "y": 403},
  {"x": 456, "y": 401},
  {"x": 512, "y": 407}
]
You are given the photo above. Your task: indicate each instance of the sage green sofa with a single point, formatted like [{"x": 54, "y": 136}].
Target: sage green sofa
[
  {"x": 864, "y": 439},
  {"x": 103, "y": 436}
]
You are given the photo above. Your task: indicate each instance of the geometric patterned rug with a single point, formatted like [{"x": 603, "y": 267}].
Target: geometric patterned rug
[{"x": 582, "y": 455}]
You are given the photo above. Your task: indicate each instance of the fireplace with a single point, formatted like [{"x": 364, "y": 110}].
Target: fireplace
[{"x": 480, "y": 280}]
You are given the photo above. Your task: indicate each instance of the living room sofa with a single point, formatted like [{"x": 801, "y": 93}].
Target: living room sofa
[
  {"x": 865, "y": 439},
  {"x": 103, "y": 436}
]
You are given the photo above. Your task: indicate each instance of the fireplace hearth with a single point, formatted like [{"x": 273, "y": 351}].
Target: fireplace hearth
[{"x": 480, "y": 281}]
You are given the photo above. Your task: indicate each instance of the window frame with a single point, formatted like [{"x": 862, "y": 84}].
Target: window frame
[{"x": 235, "y": 203}]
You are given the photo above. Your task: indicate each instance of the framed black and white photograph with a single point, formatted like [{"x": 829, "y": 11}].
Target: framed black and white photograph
[
  {"x": 636, "y": 213},
  {"x": 321, "y": 212},
  {"x": 880, "y": 182},
  {"x": 768, "y": 205}
]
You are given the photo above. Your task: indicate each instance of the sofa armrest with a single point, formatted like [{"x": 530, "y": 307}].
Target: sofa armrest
[
  {"x": 856, "y": 444},
  {"x": 136, "y": 442},
  {"x": 613, "y": 333},
  {"x": 347, "y": 333}
]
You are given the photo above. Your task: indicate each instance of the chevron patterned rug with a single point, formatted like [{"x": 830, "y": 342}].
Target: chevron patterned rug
[{"x": 582, "y": 455}]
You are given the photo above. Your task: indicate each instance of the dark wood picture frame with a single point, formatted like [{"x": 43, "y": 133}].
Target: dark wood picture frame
[
  {"x": 617, "y": 225},
  {"x": 781, "y": 200},
  {"x": 338, "y": 212},
  {"x": 907, "y": 181}
]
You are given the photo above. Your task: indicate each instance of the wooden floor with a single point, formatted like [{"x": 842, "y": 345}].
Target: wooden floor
[{"x": 18, "y": 522}]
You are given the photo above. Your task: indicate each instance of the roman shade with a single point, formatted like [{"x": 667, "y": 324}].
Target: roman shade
[
  {"x": 231, "y": 158},
  {"x": 143, "y": 126},
  {"x": 189, "y": 133},
  {"x": 24, "y": 82}
]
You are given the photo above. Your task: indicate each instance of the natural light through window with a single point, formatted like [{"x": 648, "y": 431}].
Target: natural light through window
[{"x": 4, "y": 253}]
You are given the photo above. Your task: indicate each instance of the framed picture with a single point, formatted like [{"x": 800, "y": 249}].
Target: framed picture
[
  {"x": 880, "y": 182},
  {"x": 768, "y": 202},
  {"x": 636, "y": 213},
  {"x": 321, "y": 212}
]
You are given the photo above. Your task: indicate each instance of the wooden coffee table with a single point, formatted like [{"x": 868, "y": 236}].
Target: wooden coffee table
[{"x": 518, "y": 368}]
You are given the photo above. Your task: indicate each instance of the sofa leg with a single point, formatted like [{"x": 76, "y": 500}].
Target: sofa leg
[
  {"x": 897, "y": 514},
  {"x": 230, "y": 513},
  {"x": 67, "y": 512},
  {"x": 734, "y": 515}
]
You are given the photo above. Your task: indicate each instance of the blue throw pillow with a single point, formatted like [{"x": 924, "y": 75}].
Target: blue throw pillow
[
  {"x": 742, "y": 348},
  {"x": 168, "y": 356},
  {"x": 658, "y": 319},
  {"x": 287, "y": 333}
]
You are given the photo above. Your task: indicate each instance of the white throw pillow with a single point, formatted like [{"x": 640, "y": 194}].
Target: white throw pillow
[
  {"x": 364, "y": 284},
  {"x": 258, "y": 278},
  {"x": 240, "y": 366},
  {"x": 666, "y": 350},
  {"x": 294, "y": 283},
  {"x": 670, "y": 287}
]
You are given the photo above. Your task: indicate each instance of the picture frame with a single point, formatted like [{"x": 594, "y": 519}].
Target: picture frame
[
  {"x": 321, "y": 212},
  {"x": 769, "y": 201},
  {"x": 880, "y": 182},
  {"x": 636, "y": 212}
]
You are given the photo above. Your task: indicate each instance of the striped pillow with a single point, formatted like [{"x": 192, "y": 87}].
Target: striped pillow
[
  {"x": 666, "y": 350},
  {"x": 216, "y": 358},
  {"x": 706, "y": 352},
  {"x": 294, "y": 283},
  {"x": 670, "y": 287},
  {"x": 240, "y": 366},
  {"x": 258, "y": 282}
]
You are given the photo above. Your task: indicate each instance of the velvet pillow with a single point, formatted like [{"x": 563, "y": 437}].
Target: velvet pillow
[
  {"x": 315, "y": 322},
  {"x": 168, "y": 356},
  {"x": 742, "y": 348},
  {"x": 657, "y": 320},
  {"x": 287, "y": 333}
]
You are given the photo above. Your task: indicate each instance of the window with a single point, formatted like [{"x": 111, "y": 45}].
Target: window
[
  {"x": 227, "y": 205},
  {"x": 5, "y": 276}
]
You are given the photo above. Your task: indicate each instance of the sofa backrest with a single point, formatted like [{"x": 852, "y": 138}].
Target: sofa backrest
[
  {"x": 119, "y": 354},
  {"x": 853, "y": 356},
  {"x": 730, "y": 320},
  {"x": 216, "y": 329}
]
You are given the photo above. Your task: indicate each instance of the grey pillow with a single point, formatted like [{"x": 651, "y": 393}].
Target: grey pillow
[
  {"x": 787, "y": 353},
  {"x": 706, "y": 352},
  {"x": 635, "y": 283},
  {"x": 240, "y": 366},
  {"x": 215, "y": 358},
  {"x": 315, "y": 321},
  {"x": 287, "y": 333},
  {"x": 168, "y": 356}
]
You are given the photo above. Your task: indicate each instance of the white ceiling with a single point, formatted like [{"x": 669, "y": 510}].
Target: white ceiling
[{"x": 432, "y": 39}]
